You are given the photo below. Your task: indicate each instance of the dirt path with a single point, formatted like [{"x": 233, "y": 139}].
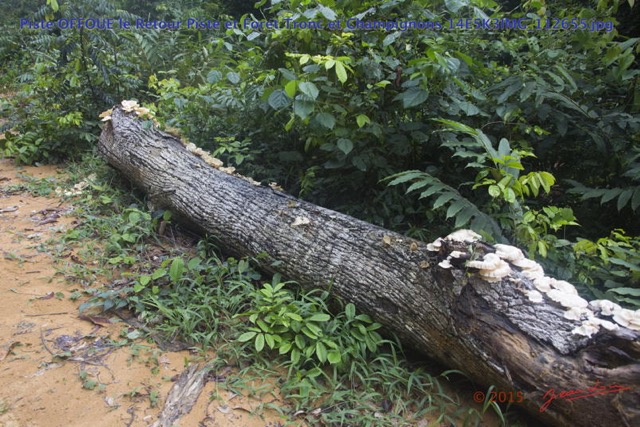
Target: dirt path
[{"x": 89, "y": 382}]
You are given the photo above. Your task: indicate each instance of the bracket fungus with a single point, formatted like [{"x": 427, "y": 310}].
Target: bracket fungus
[
  {"x": 508, "y": 253},
  {"x": 464, "y": 236},
  {"x": 567, "y": 300},
  {"x": 534, "y": 296},
  {"x": 627, "y": 318},
  {"x": 605, "y": 307},
  {"x": 492, "y": 267},
  {"x": 435, "y": 245}
]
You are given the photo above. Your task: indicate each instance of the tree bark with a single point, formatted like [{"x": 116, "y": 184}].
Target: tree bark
[{"x": 491, "y": 331}]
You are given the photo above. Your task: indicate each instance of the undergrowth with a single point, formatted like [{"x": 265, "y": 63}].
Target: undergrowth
[{"x": 329, "y": 362}]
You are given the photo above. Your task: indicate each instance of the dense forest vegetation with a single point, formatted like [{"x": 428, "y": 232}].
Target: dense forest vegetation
[{"x": 530, "y": 136}]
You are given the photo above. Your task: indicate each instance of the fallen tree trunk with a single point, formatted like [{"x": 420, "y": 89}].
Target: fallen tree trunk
[{"x": 474, "y": 316}]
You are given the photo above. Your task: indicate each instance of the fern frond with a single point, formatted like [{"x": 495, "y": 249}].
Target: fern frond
[
  {"x": 458, "y": 207},
  {"x": 622, "y": 195}
]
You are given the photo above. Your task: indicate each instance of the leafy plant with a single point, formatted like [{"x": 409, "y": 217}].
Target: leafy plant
[{"x": 610, "y": 267}]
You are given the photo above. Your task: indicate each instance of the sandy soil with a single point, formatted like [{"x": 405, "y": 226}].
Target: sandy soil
[{"x": 57, "y": 369}]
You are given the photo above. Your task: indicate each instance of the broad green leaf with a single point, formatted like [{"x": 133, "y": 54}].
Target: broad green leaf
[
  {"x": 341, "y": 72},
  {"x": 176, "y": 270},
  {"x": 350, "y": 311},
  {"x": 504, "y": 149},
  {"x": 294, "y": 316},
  {"x": 288, "y": 74},
  {"x": 362, "y": 120},
  {"x": 309, "y": 89},
  {"x": 391, "y": 38},
  {"x": 327, "y": 12},
  {"x": 303, "y": 106},
  {"x": 321, "y": 352},
  {"x": 284, "y": 348},
  {"x": 468, "y": 108},
  {"x": 319, "y": 317},
  {"x": 626, "y": 291},
  {"x": 259, "y": 342},
  {"x": 234, "y": 78},
  {"x": 334, "y": 357},
  {"x": 312, "y": 331},
  {"x": 279, "y": 99},
  {"x": 542, "y": 249},
  {"x": 262, "y": 325},
  {"x": 161, "y": 272},
  {"x": 194, "y": 264},
  {"x": 630, "y": 266},
  {"x": 494, "y": 191},
  {"x": 247, "y": 336},
  {"x": 290, "y": 88},
  {"x": 270, "y": 340},
  {"x": 412, "y": 97},
  {"x": 214, "y": 76},
  {"x": 326, "y": 119},
  {"x": 345, "y": 145},
  {"x": 295, "y": 356}
]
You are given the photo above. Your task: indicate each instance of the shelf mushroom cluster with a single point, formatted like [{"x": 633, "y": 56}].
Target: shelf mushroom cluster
[
  {"x": 495, "y": 266},
  {"x": 130, "y": 106}
]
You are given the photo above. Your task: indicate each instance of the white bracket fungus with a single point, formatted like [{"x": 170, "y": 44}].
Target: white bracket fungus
[
  {"x": 530, "y": 268},
  {"x": 567, "y": 300},
  {"x": 534, "y": 296},
  {"x": 445, "y": 263},
  {"x": 435, "y": 245},
  {"x": 300, "y": 220},
  {"x": 464, "y": 236},
  {"x": 586, "y": 329},
  {"x": 604, "y": 306},
  {"x": 492, "y": 267},
  {"x": 576, "y": 313},
  {"x": 627, "y": 318},
  {"x": 563, "y": 286},
  {"x": 508, "y": 253}
]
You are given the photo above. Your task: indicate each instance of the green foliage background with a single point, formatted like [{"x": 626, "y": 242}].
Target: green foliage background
[{"x": 528, "y": 137}]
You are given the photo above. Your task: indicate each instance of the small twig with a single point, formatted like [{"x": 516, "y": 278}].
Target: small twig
[
  {"x": 47, "y": 314},
  {"x": 44, "y": 343},
  {"x": 86, "y": 362},
  {"x": 132, "y": 411}
]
